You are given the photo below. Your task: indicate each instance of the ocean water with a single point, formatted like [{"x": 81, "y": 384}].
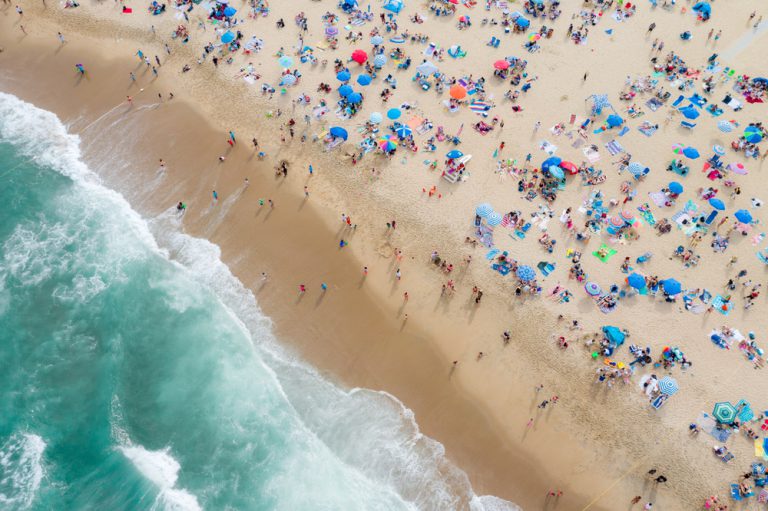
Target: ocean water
[{"x": 137, "y": 373}]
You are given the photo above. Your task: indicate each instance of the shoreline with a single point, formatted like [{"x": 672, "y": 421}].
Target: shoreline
[{"x": 404, "y": 359}]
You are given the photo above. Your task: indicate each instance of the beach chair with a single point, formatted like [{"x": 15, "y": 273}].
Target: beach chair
[
  {"x": 679, "y": 100},
  {"x": 494, "y": 42},
  {"x": 689, "y": 125}
]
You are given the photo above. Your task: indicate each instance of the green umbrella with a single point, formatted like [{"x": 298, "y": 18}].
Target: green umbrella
[{"x": 724, "y": 412}]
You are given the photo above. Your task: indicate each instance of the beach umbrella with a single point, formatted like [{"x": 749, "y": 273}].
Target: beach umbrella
[
  {"x": 483, "y": 210},
  {"x": 285, "y": 61},
  {"x": 717, "y": 204},
  {"x": 668, "y": 386},
  {"x": 355, "y": 98},
  {"x": 569, "y": 166},
  {"x": 377, "y": 40},
  {"x": 345, "y": 90},
  {"x": 724, "y": 412},
  {"x": 522, "y": 22},
  {"x": 288, "y": 79},
  {"x": 690, "y": 112},
  {"x": 230, "y": 11},
  {"x": 376, "y": 118},
  {"x": 719, "y": 150},
  {"x": 379, "y": 60},
  {"x": 331, "y": 31},
  {"x": 743, "y": 216},
  {"x": 364, "y": 80},
  {"x": 386, "y": 144},
  {"x": 556, "y": 172},
  {"x": 675, "y": 187},
  {"x": 338, "y": 132},
  {"x": 737, "y": 168},
  {"x": 616, "y": 221},
  {"x": 454, "y": 154},
  {"x": 614, "y": 335},
  {"x": 725, "y": 126},
  {"x": 627, "y": 216},
  {"x": 636, "y": 168},
  {"x": 592, "y": 288},
  {"x": 393, "y": 113},
  {"x": 493, "y": 219},
  {"x": 359, "y": 56},
  {"x": 457, "y": 91},
  {"x": 403, "y": 131},
  {"x": 753, "y": 137},
  {"x": 534, "y": 37},
  {"x": 671, "y": 286},
  {"x": 614, "y": 120},
  {"x": 691, "y": 152},
  {"x": 525, "y": 273},
  {"x": 426, "y": 68},
  {"x": 636, "y": 280},
  {"x": 501, "y": 64},
  {"x": 704, "y": 8},
  {"x": 227, "y": 37},
  {"x": 343, "y": 76},
  {"x": 552, "y": 161}
]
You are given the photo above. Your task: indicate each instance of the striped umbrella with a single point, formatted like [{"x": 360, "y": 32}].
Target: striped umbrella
[
  {"x": 493, "y": 219},
  {"x": 617, "y": 221},
  {"x": 636, "y": 168},
  {"x": 719, "y": 150},
  {"x": 288, "y": 80},
  {"x": 668, "y": 386},
  {"x": 525, "y": 273},
  {"x": 724, "y": 412},
  {"x": 403, "y": 131},
  {"x": 592, "y": 288},
  {"x": 725, "y": 126},
  {"x": 483, "y": 210},
  {"x": 627, "y": 216}
]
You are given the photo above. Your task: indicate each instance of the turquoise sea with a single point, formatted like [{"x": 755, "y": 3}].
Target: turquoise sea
[{"x": 137, "y": 373}]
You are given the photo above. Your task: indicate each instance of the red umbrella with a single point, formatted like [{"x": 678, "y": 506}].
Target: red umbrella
[
  {"x": 457, "y": 91},
  {"x": 455, "y": 2},
  {"x": 570, "y": 167},
  {"x": 501, "y": 64},
  {"x": 359, "y": 56}
]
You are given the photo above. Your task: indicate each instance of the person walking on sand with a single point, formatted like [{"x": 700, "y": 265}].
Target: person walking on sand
[
  {"x": 302, "y": 289},
  {"x": 61, "y": 37},
  {"x": 636, "y": 500},
  {"x": 19, "y": 11},
  {"x": 530, "y": 423},
  {"x": 232, "y": 136}
]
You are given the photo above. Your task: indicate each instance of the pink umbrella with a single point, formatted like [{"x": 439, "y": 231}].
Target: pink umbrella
[
  {"x": 737, "y": 168},
  {"x": 617, "y": 221},
  {"x": 501, "y": 64},
  {"x": 628, "y": 216},
  {"x": 359, "y": 56}
]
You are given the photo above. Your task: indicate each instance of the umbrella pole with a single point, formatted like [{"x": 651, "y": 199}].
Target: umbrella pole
[{"x": 631, "y": 469}]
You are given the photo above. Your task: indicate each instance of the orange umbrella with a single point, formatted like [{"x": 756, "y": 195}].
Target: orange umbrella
[{"x": 457, "y": 92}]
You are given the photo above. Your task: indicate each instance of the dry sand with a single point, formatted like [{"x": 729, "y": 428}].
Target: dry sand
[{"x": 595, "y": 445}]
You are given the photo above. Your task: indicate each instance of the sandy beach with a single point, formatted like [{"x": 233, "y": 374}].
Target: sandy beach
[{"x": 597, "y": 443}]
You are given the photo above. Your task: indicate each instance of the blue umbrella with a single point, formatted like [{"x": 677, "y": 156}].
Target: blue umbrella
[
  {"x": 345, "y": 90},
  {"x": 355, "y": 98},
  {"x": 668, "y": 386},
  {"x": 454, "y": 154},
  {"x": 403, "y": 131},
  {"x": 552, "y": 161},
  {"x": 230, "y": 11},
  {"x": 364, "y": 80},
  {"x": 376, "y": 118},
  {"x": 556, "y": 172},
  {"x": 393, "y": 113},
  {"x": 675, "y": 187},
  {"x": 339, "y": 132},
  {"x": 691, "y": 152},
  {"x": 724, "y": 412},
  {"x": 614, "y": 120},
  {"x": 483, "y": 210},
  {"x": 227, "y": 37},
  {"x": 725, "y": 126},
  {"x": 523, "y": 22},
  {"x": 704, "y": 8},
  {"x": 377, "y": 39},
  {"x": 690, "y": 112},
  {"x": 493, "y": 219},
  {"x": 636, "y": 280},
  {"x": 671, "y": 286},
  {"x": 637, "y": 169},
  {"x": 717, "y": 203},
  {"x": 285, "y": 61},
  {"x": 718, "y": 150},
  {"x": 743, "y": 216},
  {"x": 753, "y": 137},
  {"x": 614, "y": 335},
  {"x": 343, "y": 76},
  {"x": 525, "y": 273},
  {"x": 379, "y": 60},
  {"x": 288, "y": 79}
]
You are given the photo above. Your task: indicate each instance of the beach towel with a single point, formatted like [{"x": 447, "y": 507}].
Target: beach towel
[
  {"x": 624, "y": 131},
  {"x": 502, "y": 268},
  {"x": 647, "y": 130},
  {"x": 679, "y": 100},
  {"x": 721, "y": 305},
  {"x": 609, "y": 252},
  {"x": 547, "y": 147},
  {"x": 658, "y": 198},
  {"x": 591, "y": 155},
  {"x": 492, "y": 253},
  {"x": 614, "y": 148},
  {"x": 654, "y": 104}
]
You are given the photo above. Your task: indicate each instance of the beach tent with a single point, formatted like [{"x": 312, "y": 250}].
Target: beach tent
[
  {"x": 227, "y": 37},
  {"x": 394, "y": 5},
  {"x": 614, "y": 335},
  {"x": 426, "y": 68},
  {"x": 339, "y": 132}
]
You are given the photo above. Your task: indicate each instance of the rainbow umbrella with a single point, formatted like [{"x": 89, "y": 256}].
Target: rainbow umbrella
[
  {"x": 534, "y": 37},
  {"x": 386, "y": 144}
]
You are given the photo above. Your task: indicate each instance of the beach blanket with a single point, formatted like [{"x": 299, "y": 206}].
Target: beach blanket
[
  {"x": 654, "y": 104},
  {"x": 709, "y": 425},
  {"x": 647, "y": 130},
  {"x": 591, "y": 155},
  {"x": 547, "y": 147},
  {"x": 721, "y": 305},
  {"x": 480, "y": 107},
  {"x": 492, "y": 253},
  {"x": 607, "y": 253}
]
